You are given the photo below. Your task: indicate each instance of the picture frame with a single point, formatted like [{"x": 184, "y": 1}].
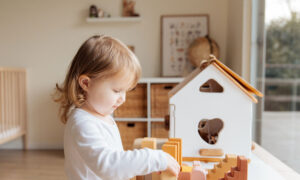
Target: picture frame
[{"x": 177, "y": 33}]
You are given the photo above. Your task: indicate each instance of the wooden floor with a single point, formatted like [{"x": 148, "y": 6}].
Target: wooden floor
[{"x": 32, "y": 165}]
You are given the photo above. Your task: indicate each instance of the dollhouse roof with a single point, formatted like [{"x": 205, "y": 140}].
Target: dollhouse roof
[{"x": 249, "y": 90}]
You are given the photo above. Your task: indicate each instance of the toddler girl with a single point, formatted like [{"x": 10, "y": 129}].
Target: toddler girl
[{"x": 99, "y": 76}]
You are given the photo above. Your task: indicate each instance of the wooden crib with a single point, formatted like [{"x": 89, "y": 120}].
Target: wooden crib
[{"x": 12, "y": 104}]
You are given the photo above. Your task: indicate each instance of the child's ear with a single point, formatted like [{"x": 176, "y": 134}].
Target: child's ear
[{"x": 84, "y": 82}]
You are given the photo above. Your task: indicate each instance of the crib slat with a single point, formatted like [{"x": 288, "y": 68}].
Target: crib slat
[
  {"x": 13, "y": 97},
  {"x": 23, "y": 103},
  {"x": 12, "y": 104},
  {"x": 10, "y": 95},
  {"x": 15, "y": 100},
  {"x": 1, "y": 103},
  {"x": 15, "y": 111},
  {"x": 5, "y": 103},
  {"x": 18, "y": 99}
]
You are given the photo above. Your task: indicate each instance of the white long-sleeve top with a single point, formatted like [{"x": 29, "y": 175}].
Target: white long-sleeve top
[{"x": 93, "y": 151}]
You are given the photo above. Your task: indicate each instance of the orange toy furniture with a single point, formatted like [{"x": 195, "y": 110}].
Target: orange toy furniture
[
  {"x": 174, "y": 148},
  {"x": 240, "y": 172}
]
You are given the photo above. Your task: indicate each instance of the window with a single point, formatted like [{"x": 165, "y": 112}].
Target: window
[{"x": 276, "y": 60}]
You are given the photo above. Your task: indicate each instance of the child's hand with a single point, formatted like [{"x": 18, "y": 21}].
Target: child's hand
[{"x": 172, "y": 166}]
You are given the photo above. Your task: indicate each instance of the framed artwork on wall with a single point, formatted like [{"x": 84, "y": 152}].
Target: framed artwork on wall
[{"x": 177, "y": 33}]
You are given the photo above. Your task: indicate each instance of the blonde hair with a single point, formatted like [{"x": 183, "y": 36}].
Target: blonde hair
[{"x": 98, "y": 57}]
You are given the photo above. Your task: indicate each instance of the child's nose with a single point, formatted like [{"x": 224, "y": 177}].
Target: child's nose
[{"x": 122, "y": 98}]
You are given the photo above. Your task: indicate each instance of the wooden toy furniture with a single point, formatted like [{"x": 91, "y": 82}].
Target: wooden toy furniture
[
  {"x": 240, "y": 172},
  {"x": 212, "y": 107},
  {"x": 263, "y": 164},
  {"x": 178, "y": 143},
  {"x": 211, "y": 152},
  {"x": 12, "y": 105},
  {"x": 221, "y": 168},
  {"x": 152, "y": 144},
  {"x": 174, "y": 147},
  {"x": 149, "y": 143}
]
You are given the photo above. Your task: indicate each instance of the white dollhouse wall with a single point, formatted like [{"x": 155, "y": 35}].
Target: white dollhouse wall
[{"x": 188, "y": 106}]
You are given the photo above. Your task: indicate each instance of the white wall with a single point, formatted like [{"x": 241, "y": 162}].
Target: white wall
[
  {"x": 239, "y": 37},
  {"x": 234, "y": 34},
  {"x": 43, "y": 36}
]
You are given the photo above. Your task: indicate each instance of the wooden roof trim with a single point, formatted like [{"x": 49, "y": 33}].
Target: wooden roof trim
[
  {"x": 235, "y": 82},
  {"x": 237, "y": 78}
]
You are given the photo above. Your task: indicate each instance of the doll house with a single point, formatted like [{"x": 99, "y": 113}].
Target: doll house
[{"x": 211, "y": 111}]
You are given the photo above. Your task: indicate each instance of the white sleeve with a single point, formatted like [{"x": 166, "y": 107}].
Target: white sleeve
[{"x": 109, "y": 163}]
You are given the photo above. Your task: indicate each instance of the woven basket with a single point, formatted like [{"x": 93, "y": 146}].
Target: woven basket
[
  {"x": 201, "y": 48},
  {"x": 130, "y": 131},
  {"x": 160, "y": 99},
  {"x": 158, "y": 130},
  {"x": 135, "y": 104}
]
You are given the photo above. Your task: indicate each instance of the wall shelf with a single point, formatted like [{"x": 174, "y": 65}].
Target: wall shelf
[{"x": 113, "y": 19}]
